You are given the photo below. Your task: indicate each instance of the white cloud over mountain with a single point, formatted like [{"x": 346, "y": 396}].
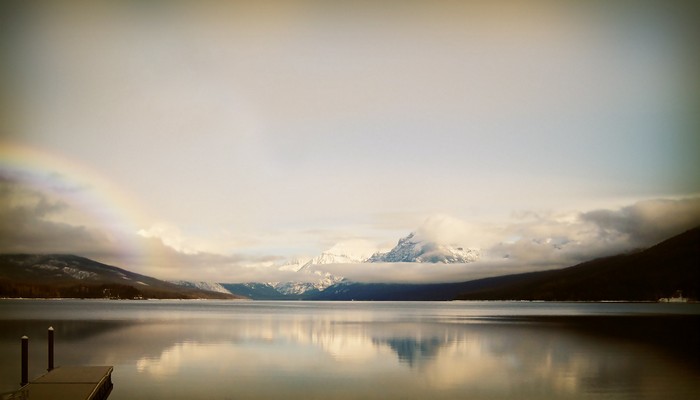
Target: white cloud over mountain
[{"x": 34, "y": 221}]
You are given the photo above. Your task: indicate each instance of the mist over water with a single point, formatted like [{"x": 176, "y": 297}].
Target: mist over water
[{"x": 357, "y": 350}]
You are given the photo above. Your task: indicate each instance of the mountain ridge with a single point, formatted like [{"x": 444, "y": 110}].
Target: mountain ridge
[
  {"x": 67, "y": 275},
  {"x": 412, "y": 249},
  {"x": 638, "y": 276},
  {"x": 659, "y": 271},
  {"x": 409, "y": 249}
]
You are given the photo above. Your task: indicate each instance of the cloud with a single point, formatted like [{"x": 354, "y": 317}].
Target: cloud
[
  {"x": 562, "y": 239},
  {"x": 357, "y": 247},
  {"x": 40, "y": 220},
  {"x": 646, "y": 222},
  {"x": 530, "y": 241},
  {"x": 534, "y": 241},
  {"x": 442, "y": 228},
  {"x": 170, "y": 236},
  {"x": 28, "y": 224},
  {"x": 426, "y": 272},
  {"x": 165, "y": 262}
]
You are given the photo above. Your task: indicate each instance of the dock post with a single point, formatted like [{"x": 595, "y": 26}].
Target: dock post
[
  {"x": 25, "y": 361},
  {"x": 50, "y": 349}
]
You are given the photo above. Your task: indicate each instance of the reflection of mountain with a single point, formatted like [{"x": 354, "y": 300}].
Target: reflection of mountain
[
  {"x": 305, "y": 349},
  {"x": 412, "y": 350}
]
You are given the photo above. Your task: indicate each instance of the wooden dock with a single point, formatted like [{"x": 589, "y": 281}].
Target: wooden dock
[{"x": 69, "y": 383}]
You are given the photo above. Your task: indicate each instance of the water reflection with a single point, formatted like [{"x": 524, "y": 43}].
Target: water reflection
[
  {"x": 328, "y": 352},
  {"x": 412, "y": 350},
  {"x": 438, "y": 360}
]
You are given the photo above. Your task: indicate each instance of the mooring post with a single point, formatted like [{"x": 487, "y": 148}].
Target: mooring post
[
  {"x": 25, "y": 361},
  {"x": 50, "y": 349}
]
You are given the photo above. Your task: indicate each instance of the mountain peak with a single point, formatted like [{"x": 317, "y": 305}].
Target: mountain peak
[{"x": 411, "y": 249}]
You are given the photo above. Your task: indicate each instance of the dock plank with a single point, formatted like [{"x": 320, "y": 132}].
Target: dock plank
[
  {"x": 75, "y": 374},
  {"x": 58, "y": 391},
  {"x": 69, "y": 383}
]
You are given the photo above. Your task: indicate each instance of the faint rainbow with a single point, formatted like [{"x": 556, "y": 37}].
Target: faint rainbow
[{"x": 114, "y": 211}]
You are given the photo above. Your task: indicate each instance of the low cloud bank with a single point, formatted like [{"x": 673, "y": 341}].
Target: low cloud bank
[
  {"x": 536, "y": 241},
  {"x": 428, "y": 273},
  {"x": 36, "y": 220},
  {"x": 646, "y": 222}
]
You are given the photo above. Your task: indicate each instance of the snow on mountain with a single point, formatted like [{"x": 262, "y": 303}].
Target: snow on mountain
[
  {"x": 210, "y": 286},
  {"x": 311, "y": 276},
  {"x": 411, "y": 249},
  {"x": 314, "y": 277},
  {"x": 290, "y": 288},
  {"x": 326, "y": 257},
  {"x": 295, "y": 265},
  {"x": 331, "y": 258}
]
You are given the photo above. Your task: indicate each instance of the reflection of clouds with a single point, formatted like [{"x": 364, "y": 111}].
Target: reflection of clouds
[
  {"x": 417, "y": 354},
  {"x": 188, "y": 354},
  {"x": 486, "y": 358},
  {"x": 531, "y": 362},
  {"x": 347, "y": 348},
  {"x": 466, "y": 363},
  {"x": 344, "y": 342},
  {"x": 264, "y": 346},
  {"x": 516, "y": 356},
  {"x": 168, "y": 363}
]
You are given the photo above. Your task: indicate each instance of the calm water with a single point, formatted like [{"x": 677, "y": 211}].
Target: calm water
[{"x": 357, "y": 350}]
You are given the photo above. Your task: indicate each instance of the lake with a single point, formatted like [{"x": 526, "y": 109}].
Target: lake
[{"x": 364, "y": 350}]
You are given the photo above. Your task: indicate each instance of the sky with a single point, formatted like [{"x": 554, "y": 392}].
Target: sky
[{"x": 216, "y": 140}]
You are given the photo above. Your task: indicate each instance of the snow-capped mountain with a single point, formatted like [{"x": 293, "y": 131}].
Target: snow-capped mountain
[
  {"x": 313, "y": 277},
  {"x": 412, "y": 249},
  {"x": 321, "y": 281},
  {"x": 210, "y": 286},
  {"x": 292, "y": 288},
  {"x": 326, "y": 257},
  {"x": 307, "y": 267}
]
